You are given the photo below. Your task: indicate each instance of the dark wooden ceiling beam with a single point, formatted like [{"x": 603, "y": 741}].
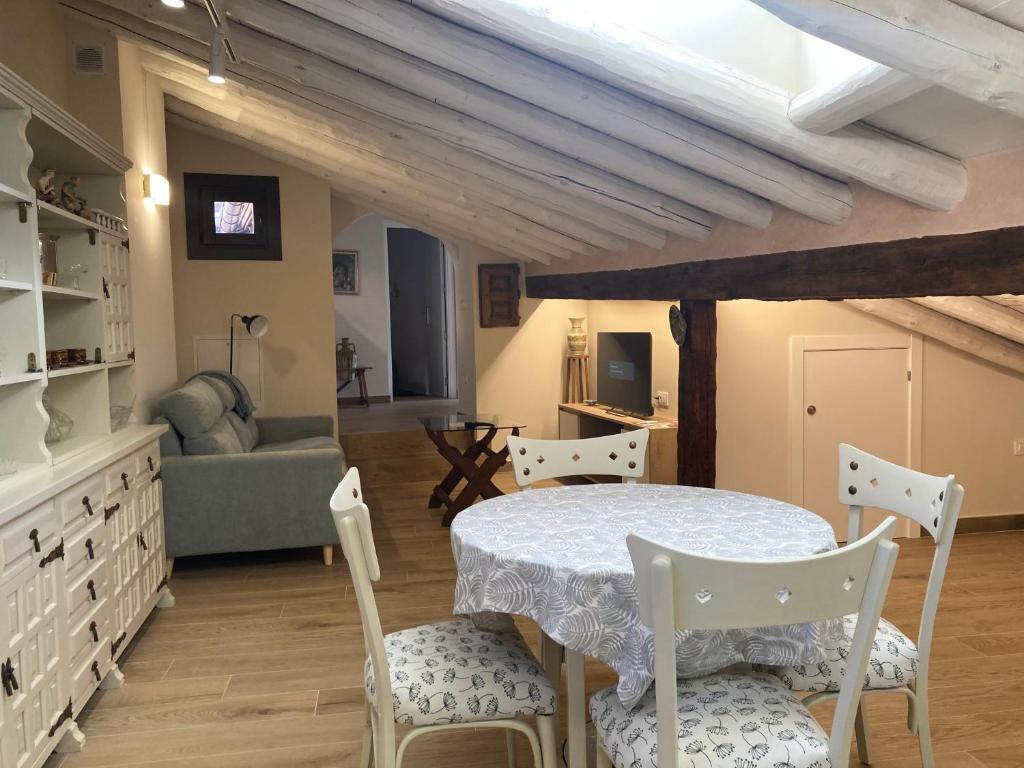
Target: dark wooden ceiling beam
[{"x": 971, "y": 264}]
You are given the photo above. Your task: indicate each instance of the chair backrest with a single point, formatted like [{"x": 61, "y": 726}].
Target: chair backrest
[
  {"x": 930, "y": 501},
  {"x": 352, "y": 519},
  {"x": 679, "y": 590},
  {"x": 624, "y": 454}
]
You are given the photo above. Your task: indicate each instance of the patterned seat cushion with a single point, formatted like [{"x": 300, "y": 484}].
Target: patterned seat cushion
[
  {"x": 455, "y": 673},
  {"x": 893, "y": 662},
  {"x": 749, "y": 721}
]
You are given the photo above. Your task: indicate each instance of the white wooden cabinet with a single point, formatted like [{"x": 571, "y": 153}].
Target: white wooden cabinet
[
  {"x": 117, "y": 307},
  {"x": 82, "y": 565}
]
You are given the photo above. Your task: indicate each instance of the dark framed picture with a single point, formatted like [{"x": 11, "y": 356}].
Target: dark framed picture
[
  {"x": 232, "y": 217},
  {"x": 345, "y": 268}
]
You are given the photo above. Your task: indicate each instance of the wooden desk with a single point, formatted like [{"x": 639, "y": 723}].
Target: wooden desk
[{"x": 576, "y": 420}]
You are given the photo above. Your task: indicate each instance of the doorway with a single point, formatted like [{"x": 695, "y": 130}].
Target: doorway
[
  {"x": 861, "y": 390},
  {"x": 420, "y": 280}
]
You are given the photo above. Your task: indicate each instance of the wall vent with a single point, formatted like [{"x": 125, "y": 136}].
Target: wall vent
[{"x": 90, "y": 59}]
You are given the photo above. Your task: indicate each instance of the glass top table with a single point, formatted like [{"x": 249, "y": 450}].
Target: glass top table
[{"x": 476, "y": 464}]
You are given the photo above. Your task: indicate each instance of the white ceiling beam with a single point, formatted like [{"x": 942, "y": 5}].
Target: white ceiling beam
[
  {"x": 566, "y": 137},
  {"x": 959, "y": 335},
  {"x": 936, "y": 40},
  {"x": 1009, "y": 300},
  {"x": 701, "y": 89},
  {"x": 314, "y": 73},
  {"x": 509, "y": 70},
  {"x": 431, "y": 205},
  {"x": 367, "y": 130},
  {"x": 836, "y": 103},
  {"x": 975, "y": 310}
]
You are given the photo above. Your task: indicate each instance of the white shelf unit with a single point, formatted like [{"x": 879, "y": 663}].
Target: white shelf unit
[{"x": 90, "y": 306}]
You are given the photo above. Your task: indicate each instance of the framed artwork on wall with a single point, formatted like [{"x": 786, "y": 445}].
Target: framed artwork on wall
[
  {"x": 345, "y": 268},
  {"x": 232, "y": 217}
]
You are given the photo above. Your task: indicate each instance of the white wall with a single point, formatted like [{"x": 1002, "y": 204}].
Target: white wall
[{"x": 365, "y": 318}]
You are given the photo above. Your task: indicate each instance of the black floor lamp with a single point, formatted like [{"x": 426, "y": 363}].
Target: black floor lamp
[{"x": 257, "y": 327}]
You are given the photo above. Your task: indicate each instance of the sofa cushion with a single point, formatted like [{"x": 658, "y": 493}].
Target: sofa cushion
[
  {"x": 302, "y": 444},
  {"x": 221, "y": 438},
  {"x": 193, "y": 409},
  {"x": 227, "y": 397},
  {"x": 246, "y": 429}
]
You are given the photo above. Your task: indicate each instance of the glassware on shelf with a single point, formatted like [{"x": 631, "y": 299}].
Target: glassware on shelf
[
  {"x": 61, "y": 425},
  {"x": 76, "y": 271},
  {"x": 3, "y": 269},
  {"x": 119, "y": 416}
]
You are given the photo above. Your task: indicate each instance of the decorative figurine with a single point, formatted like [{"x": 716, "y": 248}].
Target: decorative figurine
[
  {"x": 32, "y": 367},
  {"x": 71, "y": 201},
  {"x": 44, "y": 186}
]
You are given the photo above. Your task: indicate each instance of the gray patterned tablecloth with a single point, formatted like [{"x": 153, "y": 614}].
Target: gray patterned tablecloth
[{"x": 559, "y": 557}]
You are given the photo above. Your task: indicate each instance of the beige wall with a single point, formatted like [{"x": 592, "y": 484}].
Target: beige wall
[
  {"x": 972, "y": 411},
  {"x": 295, "y": 294},
  {"x": 995, "y": 199}
]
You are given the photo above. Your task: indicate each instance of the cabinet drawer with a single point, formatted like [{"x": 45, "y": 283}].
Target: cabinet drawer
[
  {"x": 81, "y": 504},
  {"x": 147, "y": 461},
  {"x": 28, "y": 539},
  {"x": 119, "y": 477},
  {"x": 86, "y": 549},
  {"x": 91, "y": 633},
  {"x": 86, "y": 677},
  {"x": 86, "y": 593}
]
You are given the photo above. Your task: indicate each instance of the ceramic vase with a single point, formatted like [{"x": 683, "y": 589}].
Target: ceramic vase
[{"x": 577, "y": 337}]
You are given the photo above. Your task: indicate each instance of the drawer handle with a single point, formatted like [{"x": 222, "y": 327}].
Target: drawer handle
[
  {"x": 57, "y": 553},
  {"x": 91, "y": 586},
  {"x": 67, "y": 712},
  {"x": 158, "y": 476},
  {"x": 95, "y": 634},
  {"x": 116, "y": 644},
  {"x": 109, "y": 511},
  {"x": 89, "y": 549},
  {"x": 142, "y": 543},
  {"x": 8, "y": 678},
  {"x": 96, "y": 671},
  {"x": 124, "y": 480},
  {"x": 87, "y": 505},
  {"x": 149, "y": 460},
  {"x": 34, "y": 538}
]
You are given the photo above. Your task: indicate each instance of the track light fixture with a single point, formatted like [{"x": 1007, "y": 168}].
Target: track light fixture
[
  {"x": 217, "y": 56},
  {"x": 174, "y": 3}
]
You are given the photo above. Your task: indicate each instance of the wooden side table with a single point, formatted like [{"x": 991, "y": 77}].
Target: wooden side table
[
  {"x": 464, "y": 463},
  {"x": 359, "y": 375}
]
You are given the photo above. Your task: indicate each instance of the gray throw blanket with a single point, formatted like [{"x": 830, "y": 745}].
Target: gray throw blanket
[{"x": 243, "y": 402}]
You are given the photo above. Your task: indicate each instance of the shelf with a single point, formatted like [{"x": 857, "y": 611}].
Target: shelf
[
  {"x": 14, "y": 285},
  {"x": 20, "y": 378},
  {"x": 74, "y": 370},
  {"x": 74, "y": 446},
  {"x": 12, "y": 195},
  {"x": 57, "y": 293},
  {"x": 120, "y": 364},
  {"x": 53, "y": 217}
]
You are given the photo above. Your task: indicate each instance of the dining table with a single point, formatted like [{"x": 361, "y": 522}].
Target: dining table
[{"x": 558, "y": 556}]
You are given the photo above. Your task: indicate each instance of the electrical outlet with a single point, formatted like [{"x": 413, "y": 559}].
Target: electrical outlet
[
  {"x": 661, "y": 398},
  {"x": 1018, "y": 447}
]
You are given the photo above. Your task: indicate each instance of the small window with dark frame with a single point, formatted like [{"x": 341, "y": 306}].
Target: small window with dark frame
[{"x": 232, "y": 217}]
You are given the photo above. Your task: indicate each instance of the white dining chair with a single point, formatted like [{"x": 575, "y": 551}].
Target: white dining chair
[
  {"x": 727, "y": 720},
  {"x": 897, "y": 663},
  {"x": 437, "y": 677},
  {"x": 623, "y": 454}
]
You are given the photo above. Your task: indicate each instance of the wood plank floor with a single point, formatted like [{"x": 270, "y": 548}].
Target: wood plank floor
[{"x": 259, "y": 665}]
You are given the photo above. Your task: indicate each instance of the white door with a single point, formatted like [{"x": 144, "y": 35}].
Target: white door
[{"x": 860, "y": 396}]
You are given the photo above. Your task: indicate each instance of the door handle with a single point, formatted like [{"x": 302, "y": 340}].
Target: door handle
[{"x": 811, "y": 410}]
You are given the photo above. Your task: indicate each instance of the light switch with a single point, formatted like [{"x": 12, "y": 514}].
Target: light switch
[
  {"x": 661, "y": 398},
  {"x": 1018, "y": 447}
]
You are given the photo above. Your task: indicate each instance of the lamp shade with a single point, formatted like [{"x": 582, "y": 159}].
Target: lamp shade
[{"x": 256, "y": 325}]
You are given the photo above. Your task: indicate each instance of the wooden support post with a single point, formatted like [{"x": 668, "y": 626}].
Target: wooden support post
[{"x": 697, "y": 395}]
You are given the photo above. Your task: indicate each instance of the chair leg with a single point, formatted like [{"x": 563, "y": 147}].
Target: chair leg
[
  {"x": 367, "y": 751},
  {"x": 924, "y": 728},
  {"x": 863, "y": 735},
  {"x": 603, "y": 761},
  {"x": 548, "y": 741},
  {"x": 328, "y": 554},
  {"x": 510, "y": 748}
]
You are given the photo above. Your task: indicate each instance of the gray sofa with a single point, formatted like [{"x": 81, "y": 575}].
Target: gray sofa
[{"x": 244, "y": 485}]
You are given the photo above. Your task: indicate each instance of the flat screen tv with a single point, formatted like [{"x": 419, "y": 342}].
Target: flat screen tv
[{"x": 624, "y": 372}]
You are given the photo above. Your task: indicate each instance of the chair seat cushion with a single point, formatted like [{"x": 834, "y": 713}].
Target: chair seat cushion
[
  {"x": 724, "y": 720},
  {"x": 455, "y": 673},
  {"x": 893, "y": 663},
  {"x": 302, "y": 444}
]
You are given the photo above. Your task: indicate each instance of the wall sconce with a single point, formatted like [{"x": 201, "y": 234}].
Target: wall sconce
[{"x": 156, "y": 190}]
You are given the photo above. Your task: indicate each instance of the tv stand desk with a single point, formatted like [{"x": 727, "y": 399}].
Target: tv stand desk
[{"x": 576, "y": 421}]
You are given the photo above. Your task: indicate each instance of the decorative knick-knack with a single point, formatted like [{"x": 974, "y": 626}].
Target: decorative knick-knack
[
  {"x": 33, "y": 365},
  {"x": 61, "y": 425},
  {"x": 44, "y": 186},
  {"x": 577, "y": 337},
  {"x": 71, "y": 201},
  {"x": 345, "y": 353}
]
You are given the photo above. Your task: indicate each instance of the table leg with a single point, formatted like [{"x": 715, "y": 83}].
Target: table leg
[
  {"x": 551, "y": 655},
  {"x": 443, "y": 490},
  {"x": 364, "y": 392},
  {"x": 576, "y": 698}
]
